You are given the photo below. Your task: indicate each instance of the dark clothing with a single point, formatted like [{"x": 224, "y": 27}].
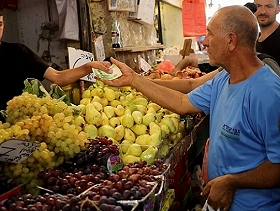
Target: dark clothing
[
  {"x": 271, "y": 45},
  {"x": 17, "y": 62}
]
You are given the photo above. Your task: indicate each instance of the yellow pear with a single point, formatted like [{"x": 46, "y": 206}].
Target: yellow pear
[
  {"x": 119, "y": 110},
  {"x": 142, "y": 141},
  {"x": 137, "y": 116},
  {"x": 148, "y": 118},
  {"x": 129, "y": 135},
  {"x": 93, "y": 117},
  {"x": 130, "y": 159},
  {"x": 127, "y": 119},
  {"x": 98, "y": 106},
  {"x": 139, "y": 129},
  {"x": 109, "y": 111},
  {"x": 125, "y": 144},
  {"x": 114, "y": 122},
  {"x": 134, "y": 149},
  {"x": 119, "y": 132},
  {"x": 107, "y": 130},
  {"x": 91, "y": 130},
  {"x": 109, "y": 94}
]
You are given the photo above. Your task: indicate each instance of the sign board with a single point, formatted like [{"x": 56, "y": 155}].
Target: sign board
[
  {"x": 99, "y": 48},
  {"x": 16, "y": 151},
  {"x": 79, "y": 57}
]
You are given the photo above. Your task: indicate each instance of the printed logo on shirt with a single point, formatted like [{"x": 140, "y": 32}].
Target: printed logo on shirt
[{"x": 230, "y": 132}]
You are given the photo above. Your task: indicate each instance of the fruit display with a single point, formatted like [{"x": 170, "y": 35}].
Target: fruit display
[
  {"x": 162, "y": 71},
  {"x": 133, "y": 183},
  {"x": 127, "y": 116}
]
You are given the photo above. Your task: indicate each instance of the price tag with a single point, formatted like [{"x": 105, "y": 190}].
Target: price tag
[{"x": 16, "y": 151}]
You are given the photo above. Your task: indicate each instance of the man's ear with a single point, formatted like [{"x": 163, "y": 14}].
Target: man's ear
[{"x": 231, "y": 41}]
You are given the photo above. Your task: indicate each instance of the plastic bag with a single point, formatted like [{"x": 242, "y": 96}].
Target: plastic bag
[{"x": 194, "y": 18}]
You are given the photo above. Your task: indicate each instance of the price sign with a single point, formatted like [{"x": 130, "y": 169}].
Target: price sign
[
  {"x": 16, "y": 151},
  {"x": 79, "y": 57}
]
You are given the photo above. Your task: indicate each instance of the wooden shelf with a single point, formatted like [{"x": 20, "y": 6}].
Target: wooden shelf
[{"x": 138, "y": 48}]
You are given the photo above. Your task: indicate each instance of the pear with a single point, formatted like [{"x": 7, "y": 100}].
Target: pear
[
  {"x": 124, "y": 101},
  {"x": 79, "y": 120},
  {"x": 114, "y": 103},
  {"x": 154, "y": 128},
  {"x": 142, "y": 109},
  {"x": 148, "y": 118},
  {"x": 129, "y": 135},
  {"x": 134, "y": 149},
  {"x": 137, "y": 116},
  {"x": 139, "y": 129},
  {"x": 142, "y": 141},
  {"x": 98, "y": 106},
  {"x": 96, "y": 99},
  {"x": 91, "y": 130},
  {"x": 104, "y": 101},
  {"x": 151, "y": 110},
  {"x": 167, "y": 120},
  {"x": 109, "y": 111},
  {"x": 119, "y": 110},
  {"x": 107, "y": 130},
  {"x": 163, "y": 151},
  {"x": 130, "y": 159},
  {"x": 140, "y": 101},
  {"x": 82, "y": 108},
  {"x": 132, "y": 107},
  {"x": 119, "y": 132},
  {"x": 105, "y": 119},
  {"x": 125, "y": 144},
  {"x": 149, "y": 155},
  {"x": 130, "y": 97},
  {"x": 85, "y": 101},
  {"x": 154, "y": 105},
  {"x": 127, "y": 119},
  {"x": 109, "y": 94},
  {"x": 97, "y": 91},
  {"x": 164, "y": 130},
  {"x": 93, "y": 117},
  {"x": 155, "y": 139},
  {"x": 86, "y": 94},
  {"x": 114, "y": 121}
]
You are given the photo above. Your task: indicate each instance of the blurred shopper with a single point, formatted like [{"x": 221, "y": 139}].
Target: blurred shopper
[
  {"x": 269, "y": 39},
  {"x": 242, "y": 102}
]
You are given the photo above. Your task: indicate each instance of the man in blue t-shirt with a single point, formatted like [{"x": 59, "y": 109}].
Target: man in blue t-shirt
[{"x": 242, "y": 102}]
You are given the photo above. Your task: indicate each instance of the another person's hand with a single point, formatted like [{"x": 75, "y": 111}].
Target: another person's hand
[
  {"x": 101, "y": 65},
  {"x": 125, "y": 79},
  {"x": 221, "y": 193}
]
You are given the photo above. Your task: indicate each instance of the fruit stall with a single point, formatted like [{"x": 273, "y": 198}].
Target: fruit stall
[{"x": 113, "y": 149}]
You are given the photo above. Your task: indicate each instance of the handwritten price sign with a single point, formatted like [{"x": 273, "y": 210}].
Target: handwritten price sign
[
  {"x": 79, "y": 57},
  {"x": 16, "y": 151}
]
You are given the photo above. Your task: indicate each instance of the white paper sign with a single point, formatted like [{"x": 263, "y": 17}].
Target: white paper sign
[
  {"x": 16, "y": 151},
  {"x": 99, "y": 48},
  {"x": 79, "y": 57}
]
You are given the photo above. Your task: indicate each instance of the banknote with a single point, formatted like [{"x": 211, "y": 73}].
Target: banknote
[{"x": 116, "y": 72}]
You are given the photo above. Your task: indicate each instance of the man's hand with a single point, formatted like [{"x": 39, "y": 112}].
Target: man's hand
[
  {"x": 124, "y": 80},
  {"x": 220, "y": 192}
]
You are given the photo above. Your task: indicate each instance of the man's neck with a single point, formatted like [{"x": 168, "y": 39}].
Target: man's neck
[{"x": 267, "y": 31}]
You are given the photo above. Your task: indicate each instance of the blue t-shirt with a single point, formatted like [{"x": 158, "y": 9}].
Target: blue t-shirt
[{"x": 244, "y": 131}]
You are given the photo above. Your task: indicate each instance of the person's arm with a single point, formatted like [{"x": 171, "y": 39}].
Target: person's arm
[
  {"x": 187, "y": 61},
  {"x": 221, "y": 189},
  {"x": 186, "y": 85},
  {"x": 170, "y": 99},
  {"x": 65, "y": 77}
]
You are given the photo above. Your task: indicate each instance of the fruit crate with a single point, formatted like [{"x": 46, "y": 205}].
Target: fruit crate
[
  {"x": 160, "y": 194},
  {"x": 6, "y": 195},
  {"x": 147, "y": 203}
]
